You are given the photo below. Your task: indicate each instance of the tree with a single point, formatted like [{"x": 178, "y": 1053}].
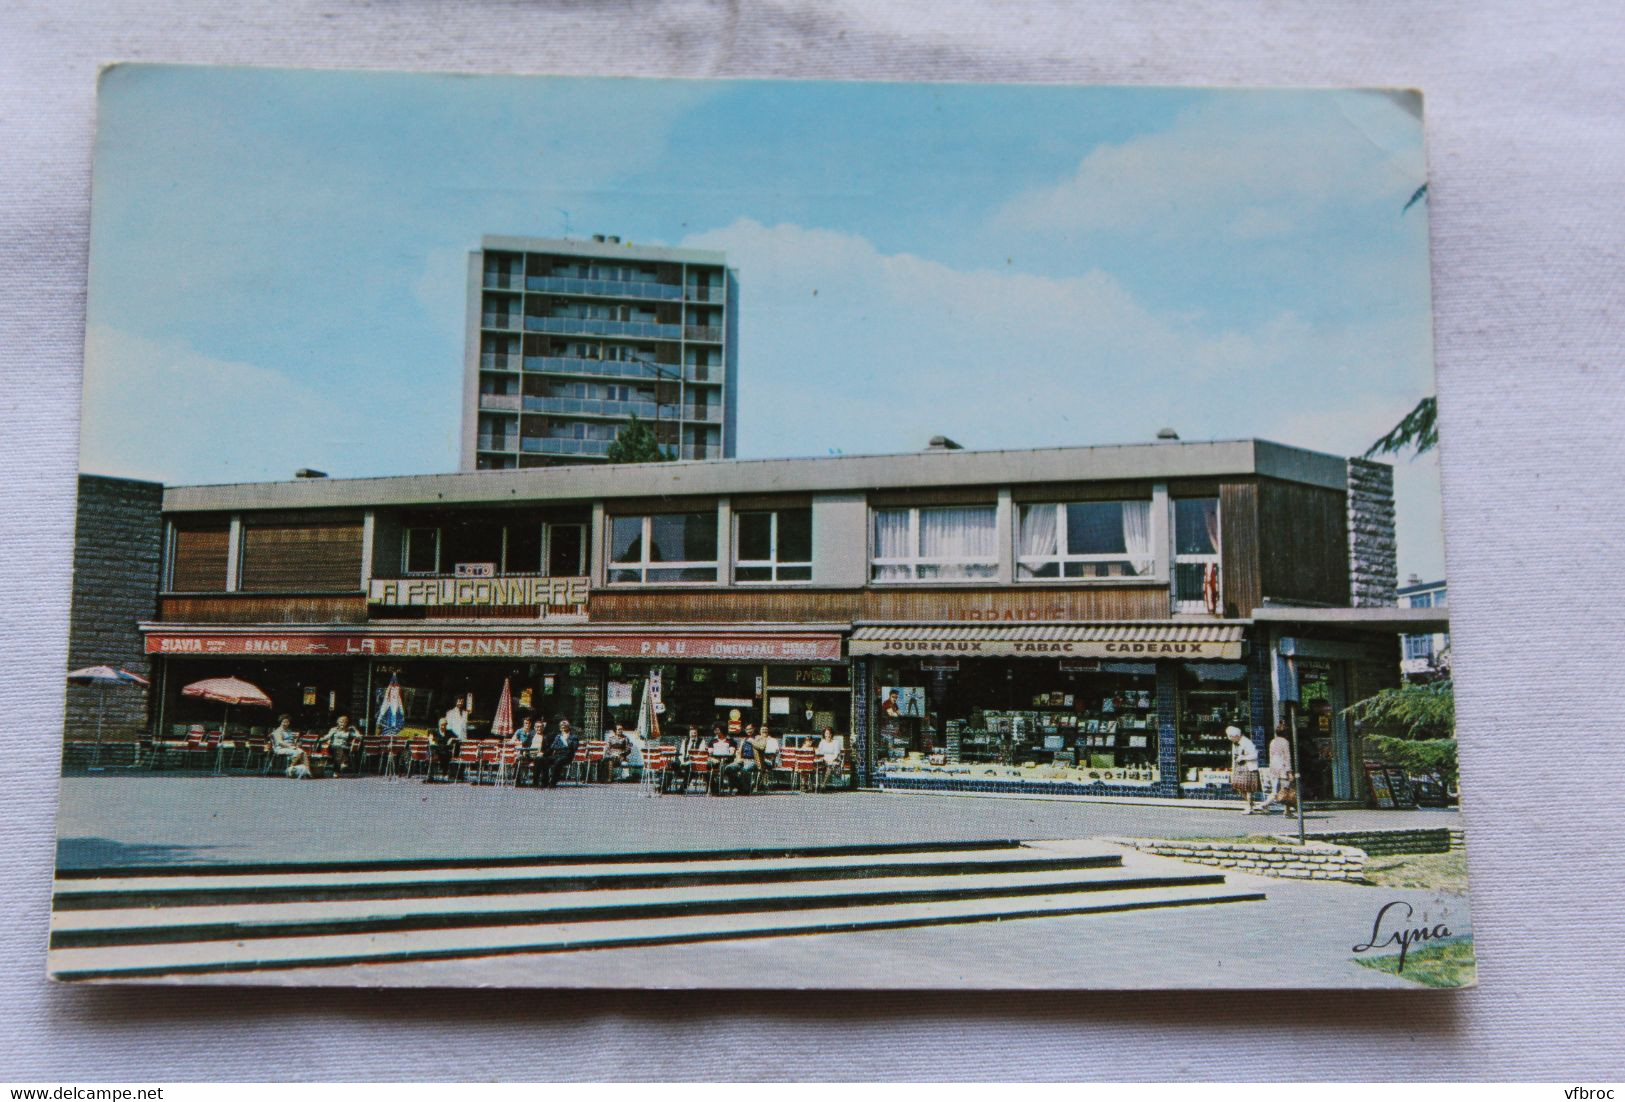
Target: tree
[
  {"x": 1413, "y": 726},
  {"x": 636, "y": 443},
  {"x": 1419, "y": 430}
]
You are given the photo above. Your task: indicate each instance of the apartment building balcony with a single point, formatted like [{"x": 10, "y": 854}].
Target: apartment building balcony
[
  {"x": 507, "y": 402},
  {"x": 499, "y": 361},
  {"x": 607, "y": 288},
  {"x": 700, "y": 451},
  {"x": 502, "y": 281},
  {"x": 599, "y": 407},
  {"x": 712, "y": 333},
  {"x": 552, "y": 445},
  {"x": 601, "y": 327},
  {"x": 647, "y": 370},
  {"x": 503, "y": 322},
  {"x": 487, "y": 443}
]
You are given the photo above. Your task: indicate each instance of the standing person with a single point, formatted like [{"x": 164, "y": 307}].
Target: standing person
[
  {"x": 457, "y": 724},
  {"x": 1280, "y": 767},
  {"x": 1243, "y": 765},
  {"x": 341, "y": 740},
  {"x": 285, "y": 743},
  {"x": 561, "y": 751}
]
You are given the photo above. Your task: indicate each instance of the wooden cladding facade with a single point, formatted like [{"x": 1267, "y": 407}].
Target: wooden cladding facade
[
  {"x": 198, "y": 558},
  {"x": 1305, "y": 555},
  {"x": 235, "y": 608},
  {"x": 971, "y": 605},
  {"x": 301, "y": 558}
]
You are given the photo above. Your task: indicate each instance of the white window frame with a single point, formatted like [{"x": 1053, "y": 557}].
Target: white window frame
[
  {"x": 1061, "y": 558},
  {"x": 406, "y": 551},
  {"x": 773, "y": 564},
  {"x": 915, "y": 561},
  {"x": 1217, "y": 557},
  {"x": 645, "y": 565}
]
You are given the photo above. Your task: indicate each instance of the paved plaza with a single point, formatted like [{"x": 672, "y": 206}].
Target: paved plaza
[{"x": 191, "y": 818}]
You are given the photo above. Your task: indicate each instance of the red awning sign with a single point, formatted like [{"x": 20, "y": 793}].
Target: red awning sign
[{"x": 803, "y": 647}]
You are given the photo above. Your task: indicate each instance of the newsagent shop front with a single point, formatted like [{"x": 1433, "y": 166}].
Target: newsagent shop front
[
  {"x": 796, "y": 681},
  {"x": 1060, "y": 709}
]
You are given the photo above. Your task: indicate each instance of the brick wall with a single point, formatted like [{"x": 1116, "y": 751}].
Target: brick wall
[
  {"x": 116, "y": 557},
  {"x": 1373, "y": 561},
  {"x": 1316, "y": 861}
]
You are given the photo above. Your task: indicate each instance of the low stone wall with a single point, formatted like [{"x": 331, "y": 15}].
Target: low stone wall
[
  {"x": 1389, "y": 843},
  {"x": 1315, "y": 861}
]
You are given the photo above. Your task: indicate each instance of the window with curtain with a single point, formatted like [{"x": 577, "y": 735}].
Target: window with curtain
[
  {"x": 952, "y": 543},
  {"x": 1196, "y": 548},
  {"x": 1085, "y": 539},
  {"x": 663, "y": 548},
  {"x": 773, "y": 545}
]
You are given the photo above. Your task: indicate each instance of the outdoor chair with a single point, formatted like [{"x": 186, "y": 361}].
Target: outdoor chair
[
  {"x": 471, "y": 753},
  {"x": 657, "y": 760},
  {"x": 417, "y": 755},
  {"x": 595, "y": 758},
  {"x": 825, "y": 773}
]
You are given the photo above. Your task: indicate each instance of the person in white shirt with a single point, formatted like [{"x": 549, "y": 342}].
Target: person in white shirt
[
  {"x": 1280, "y": 768},
  {"x": 1243, "y": 765},
  {"x": 456, "y": 725},
  {"x": 285, "y": 743},
  {"x": 830, "y": 752}
]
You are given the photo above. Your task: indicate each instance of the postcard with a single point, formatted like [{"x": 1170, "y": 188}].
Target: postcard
[{"x": 546, "y": 532}]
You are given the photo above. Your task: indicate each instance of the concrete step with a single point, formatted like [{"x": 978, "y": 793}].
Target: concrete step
[
  {"x": 147, "y": 925},
  {"x": 178, "y": 888},
  {"x": 253, "y": 954}
]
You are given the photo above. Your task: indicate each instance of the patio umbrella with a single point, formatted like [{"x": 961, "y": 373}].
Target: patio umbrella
[
  {"x": 502, "y": 722},
  {"x": 228, "y": 691},
  {"x": 101, "y": 677}
]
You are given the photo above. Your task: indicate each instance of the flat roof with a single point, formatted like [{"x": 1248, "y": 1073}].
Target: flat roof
[
  {"x": 605, "y": 250},
  {"x": 825, "y": 474},
  {"x": 1411, "y": 621}
]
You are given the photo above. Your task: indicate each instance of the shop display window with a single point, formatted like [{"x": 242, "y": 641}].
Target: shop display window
[
  {"x": 1212, "y": 696},
  {"x": 1018, "y": 719}
]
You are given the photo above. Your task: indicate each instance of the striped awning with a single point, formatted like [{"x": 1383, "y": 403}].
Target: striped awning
[{"x": 1125, "y": 642}]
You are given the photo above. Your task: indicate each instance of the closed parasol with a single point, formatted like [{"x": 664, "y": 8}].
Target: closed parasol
[{"x": 502, "y": 722}]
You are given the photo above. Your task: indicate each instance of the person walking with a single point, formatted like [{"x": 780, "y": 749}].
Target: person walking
[
  {"x": 1279, "y": 770},
  {"x": 1243, "y": 765}
]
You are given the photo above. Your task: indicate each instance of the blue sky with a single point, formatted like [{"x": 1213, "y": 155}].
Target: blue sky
[{"x": 278, "y": 260}]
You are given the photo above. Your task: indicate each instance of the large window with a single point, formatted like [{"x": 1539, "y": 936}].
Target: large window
[
  {"x": 1196, "y": 553},
  {"x": 955, "y": 543},
  {"x": 773, "y": 546},
  {"x": 663, "y": 547},
  {"x": 421, "y": 555},
  {"x": 1089, "y": 539}
]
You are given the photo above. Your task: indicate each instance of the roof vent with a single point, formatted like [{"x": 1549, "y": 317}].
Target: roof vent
[
  {"x": 613, "y": 239},
  {"x": 1167, "y": 434},
  {"x": 598, "y": 237},
  {"x": 309, "y": 472},
  {"x": 943, "y": 444}
]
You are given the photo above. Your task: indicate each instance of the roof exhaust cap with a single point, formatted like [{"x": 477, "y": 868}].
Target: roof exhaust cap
[
  {"x": 309, "y": 472},
  {"x": 1167, "y": 434},
  {"x": 943, "y": 444}
]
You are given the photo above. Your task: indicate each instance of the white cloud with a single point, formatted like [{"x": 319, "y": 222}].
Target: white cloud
[
  {"x": 168, "y": 413},
  {"x": 1240, "y": 166}
]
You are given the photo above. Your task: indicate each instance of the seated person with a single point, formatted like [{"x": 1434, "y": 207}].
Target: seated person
[
  {"x": 830, "y": 753},
  {"x": 617, "y": 749},
  {"x": 285, "y": 743},
  {"x": 561, "y": 751},
  {"x": 723, "y": 752},
  {"x": 770, "y": 749},
  {"x": 341, "y": 741},
  {"x": 536, "y": 751},
  {"x": 681, "y": 769},
  {"x": 441, "y": 750},
  {"x": 746, "y": 767}
]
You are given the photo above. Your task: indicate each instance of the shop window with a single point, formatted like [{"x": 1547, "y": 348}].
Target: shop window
[
  {"x": 1212, "y": 696},
  {"x": 956, "y": 543},
  {"x": 663, "y": 548},
  {"x": 1196, "y": 553},
  {"x": 1088, "y": 539},
  {"x": 773, "y": 546}
]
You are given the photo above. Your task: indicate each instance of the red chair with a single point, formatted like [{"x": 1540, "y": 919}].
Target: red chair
[
  {"x": 657, "y": 760},
  {"x": 418, "y": 754},
  {"x": 311, "y": 744},
  {"x": 699, "y": 767},
  {"x": 595, "y": 756},
  {"x": 506, "y": 755}
]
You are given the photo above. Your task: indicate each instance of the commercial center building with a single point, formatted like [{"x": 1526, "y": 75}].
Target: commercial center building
[
  {"x": 567, "y": 340},
  {"x": 1058, "y": 621}
]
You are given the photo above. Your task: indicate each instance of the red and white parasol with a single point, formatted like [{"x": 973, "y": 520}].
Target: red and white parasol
[
  {"x": 101, "y": 677},
  {"x": 502, "y": 723},
  {"x": 228, "y": 690}
]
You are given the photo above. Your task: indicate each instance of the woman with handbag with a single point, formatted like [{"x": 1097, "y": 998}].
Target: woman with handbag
[{"x": 1243, "y": 765}]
